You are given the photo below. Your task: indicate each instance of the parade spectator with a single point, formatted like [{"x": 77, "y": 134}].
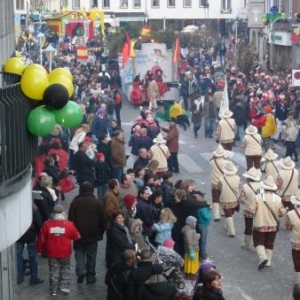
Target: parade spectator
[
  {"x": 83, "y": 165},
  {"x": 268, "y": 129},
  {"x": 117, "y": 276},
  {"x": 118, "y": 105},
  {"x": 290, "y": 130},
  {"x": 100, "y": 123},
  {"x": 166, "y": 188},
  {"x": 139, "y": 176},
  {"x": 111, "y": 198},
  {"x": 144, "y": 211},
  {"x": 104, "y": 147},
  {"x": 144, "y": 140},
  {"x": 210, "y": 116},
  {"x": 134, "y": 140},
  {"x": 102, "y": 174},
  {"x": 129, "y": 209},
  {"x": 239, "y": 117},
  {"x": 196, "y": 117},
  {"x": 191, "y": 247},
  {"x": 157, "y": 286},
  {"x": 163, "y": 228},
  {"x": 127, "y": 186},
  {"x": 139, "y": 276},
  {"x": 118, "y": 238},
  {"x": 118, "y": 155},
  {"x": 29, "y": 239},
  {"x": 156, "y": 204},
  {"x": 88, "y": 216},
  {"x": 281, "y": 114},
  {"x": 55, "y": 240},
  {"x": 172, "y": 139}
]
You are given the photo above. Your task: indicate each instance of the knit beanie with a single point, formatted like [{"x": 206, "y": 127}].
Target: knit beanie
[
  {"x": 169, "y": 243},
  {"x": 190, "y": 221},
  {"x": 129, "y": 200}
]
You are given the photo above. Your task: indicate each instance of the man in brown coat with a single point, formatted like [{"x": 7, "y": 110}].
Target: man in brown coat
[
  {"x": 172, "y": 139},
  {"x": 118, "y": 156},
  {"x": 110, "y": 199}
]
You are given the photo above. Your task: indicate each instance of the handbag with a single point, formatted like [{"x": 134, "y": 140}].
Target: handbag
[{"x": 67, "y": 184}]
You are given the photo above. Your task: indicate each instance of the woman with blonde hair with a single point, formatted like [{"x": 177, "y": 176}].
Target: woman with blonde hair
[{"x": 164, "y": 227}]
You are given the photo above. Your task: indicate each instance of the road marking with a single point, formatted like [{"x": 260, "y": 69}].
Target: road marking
[{"x": 188, "y": 164}]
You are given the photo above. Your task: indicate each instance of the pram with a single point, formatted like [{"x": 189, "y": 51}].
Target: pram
[{"x": 172, "y": 263}]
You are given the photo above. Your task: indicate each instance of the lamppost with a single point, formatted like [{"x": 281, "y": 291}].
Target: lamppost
[
  {"x": 41, "y": 37},
  {"x": 50, "y": 51}
]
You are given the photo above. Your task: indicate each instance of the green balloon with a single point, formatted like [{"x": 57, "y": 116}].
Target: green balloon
[
  {"x": 40, "y": 121},
  {"x": 69, "y": 116}
]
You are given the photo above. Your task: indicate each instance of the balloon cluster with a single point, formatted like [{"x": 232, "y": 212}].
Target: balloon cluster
[{"x": 54, "y": 91}]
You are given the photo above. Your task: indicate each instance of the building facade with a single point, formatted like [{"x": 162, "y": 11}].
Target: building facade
[{"x": 17, "y": 148}]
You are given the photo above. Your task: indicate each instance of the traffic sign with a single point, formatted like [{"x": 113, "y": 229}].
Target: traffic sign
[{"x": 274, "y": 9}]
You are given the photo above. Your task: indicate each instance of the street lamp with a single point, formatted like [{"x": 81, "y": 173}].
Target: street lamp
[
  {"x": 41, "y": 37},
  {"x": 50, "y": 51}
]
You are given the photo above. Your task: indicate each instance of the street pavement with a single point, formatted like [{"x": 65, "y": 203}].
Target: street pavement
[{"x": 240, "y": 277}]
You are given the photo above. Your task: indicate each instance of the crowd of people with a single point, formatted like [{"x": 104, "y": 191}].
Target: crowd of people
[{"x": 140, "y": 205}]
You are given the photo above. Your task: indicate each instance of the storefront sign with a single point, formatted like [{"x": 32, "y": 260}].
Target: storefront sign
[{"x": 280, "y": 38}]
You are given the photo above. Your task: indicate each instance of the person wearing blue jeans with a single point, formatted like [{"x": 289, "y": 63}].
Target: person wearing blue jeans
[
  {"x": 29, "y": 239},
  {"x": 210, "y": 115},
  {"x": 204, "y": 215}
]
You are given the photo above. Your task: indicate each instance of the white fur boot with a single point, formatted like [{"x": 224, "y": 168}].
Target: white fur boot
[{"x": 262, "y": 257}]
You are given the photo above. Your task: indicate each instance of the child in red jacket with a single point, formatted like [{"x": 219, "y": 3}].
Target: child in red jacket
[{"x": 55, "y": 240}]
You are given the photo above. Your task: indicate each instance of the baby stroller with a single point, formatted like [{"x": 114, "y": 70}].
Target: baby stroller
[{"x": 172, "y": 263}]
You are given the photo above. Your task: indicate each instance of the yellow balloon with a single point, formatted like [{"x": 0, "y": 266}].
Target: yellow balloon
[
  {"x": 14, "y": 65},
  {"x": 63, "y": 80},
  {"x": 60, "y": 72},
  {"x": 34, "y": 83},
  {"x": 36, "y": 67}
]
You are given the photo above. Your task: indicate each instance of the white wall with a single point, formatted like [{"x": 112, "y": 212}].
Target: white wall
[{"x": 15, "y": 216}]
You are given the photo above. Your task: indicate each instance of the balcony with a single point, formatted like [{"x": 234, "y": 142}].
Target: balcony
[
  {"x": 224, "y": 11},
  {"x": 17, "y": 146}
]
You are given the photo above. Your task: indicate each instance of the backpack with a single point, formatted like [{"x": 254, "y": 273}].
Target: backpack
[{"x": 118, "y": 98}]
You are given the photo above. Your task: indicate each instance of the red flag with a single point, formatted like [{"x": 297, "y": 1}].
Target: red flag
[
  {"x": 126, "y": 50},
  {"x": 295, "y": 38},
  {"x": 176, "y": 54}
]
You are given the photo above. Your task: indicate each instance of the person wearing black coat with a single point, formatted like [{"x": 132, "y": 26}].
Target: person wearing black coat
[
  {"x": 29, "y": 238},
  {"x": 117, "y": 275},
  {"x": 102, "y": 173},
  {"x": 53, "y": 171},
  {"x": 211, "y": 289},
  {"x": 118, "y": 238},
  {"x": 83, "y": 165},
  {"x": 157, "y": 287},
  {"x": 87, "y": 214},
  {"x": 104, "y": 147},
  {"x": 167, "y": 187}
]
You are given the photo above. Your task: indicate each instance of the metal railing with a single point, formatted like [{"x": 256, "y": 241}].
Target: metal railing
[{"x": 17, "y": 146}]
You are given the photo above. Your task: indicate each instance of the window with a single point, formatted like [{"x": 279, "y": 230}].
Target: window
[
  {"x": 63, "y": 3},
  {"x": 94, "y": 3},
  {"x": 203, "y": 3},
  {"x": 124, "y": 4},
  {"x": 226, "y": 4},
  {"x": 76, "y": 4},
  {"x": 20, "y": 5},
  {"x": 136, "y": 3},
  {"x": 171, "y": 3},
  {"x": 155, "y": 3},
  {"x": 106, "y": 4},
  {"x": 187, "y": 3}
]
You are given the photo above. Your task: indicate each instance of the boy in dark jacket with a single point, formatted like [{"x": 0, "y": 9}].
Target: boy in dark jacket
[
  {"x": 29, "y": 238},
  {"x": 117, "y": 276},
  {"x": 102, "y": 173}
]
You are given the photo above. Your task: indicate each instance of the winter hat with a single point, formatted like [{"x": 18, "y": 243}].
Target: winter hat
[
  {"x": 169, "y": 243},
  {"x": 190, "y": 221},
  {"x": 99, "y": 155},
  {"x": 58, "y": 209},
  {"x": 129, "y": 200},
  {"x": 267, "y": 109},
  {"x": 88, "y": 139}
]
